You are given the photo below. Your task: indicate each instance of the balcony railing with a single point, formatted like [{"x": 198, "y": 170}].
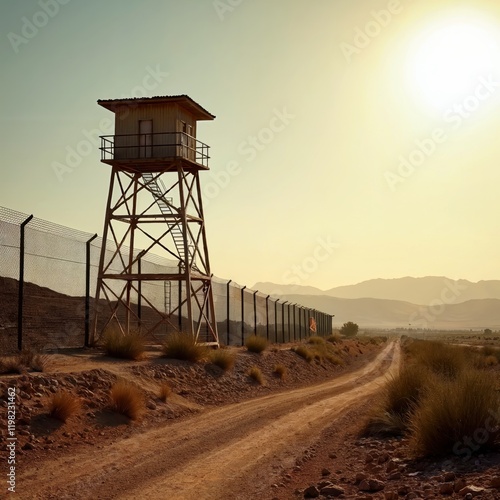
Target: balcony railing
[{"x": 172, "y": 145}]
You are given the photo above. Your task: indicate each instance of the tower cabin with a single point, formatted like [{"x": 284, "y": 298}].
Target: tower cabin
[{"x": 155, "y": 134}]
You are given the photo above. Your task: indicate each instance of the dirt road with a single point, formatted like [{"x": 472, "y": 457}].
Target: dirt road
[{"x": 235, "y": 451}]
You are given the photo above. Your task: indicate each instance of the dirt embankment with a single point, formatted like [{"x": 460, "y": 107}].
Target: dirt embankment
[{"x": 236, "y": 450}]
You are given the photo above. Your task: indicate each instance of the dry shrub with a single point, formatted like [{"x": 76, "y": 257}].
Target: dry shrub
[
  {"x": 63, "y": 405},
  {"x": 256, "y": 344},
  {"x": 123, "y": 346},
  {"x": 183, "y": 346},
  {"x": 442, "y": 359},
  {"x": 491, "y": 360},
  {"x": 316, "y": 339},
  {"x": 280, "y": 371},
  {"x": 304, "y": 352},
  {"x": 334, "y": 338},
  {"x": 165, "y": 391},
  {"x": 223, "y": 358},
  {"x": 453, "y": 410},
  {"x": 255, "y": 374},
  {"x": 400, "y": 397},
  {"x": 26, "y": 360},
  {"x": 127, "y": 399}
]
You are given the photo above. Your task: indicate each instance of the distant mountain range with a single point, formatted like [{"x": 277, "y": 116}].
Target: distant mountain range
[{"x": 430, "y": 302}]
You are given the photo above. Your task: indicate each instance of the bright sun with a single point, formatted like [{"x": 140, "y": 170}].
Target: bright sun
[{"x": 448, "y": 59}]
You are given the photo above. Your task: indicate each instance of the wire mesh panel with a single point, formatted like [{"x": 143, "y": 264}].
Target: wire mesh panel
[
  {"x": 10, "y": 222},
  {"x": 54, "y": 298},
  {"x": 260, "y": 301},
  {"x": 234, "y": 315},
  {"x": 219, "y": 288},
  {"x": 56, "y": 304},
  {"x": 248, "y": 317}
]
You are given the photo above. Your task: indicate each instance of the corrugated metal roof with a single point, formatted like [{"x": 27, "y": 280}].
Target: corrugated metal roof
[{"x": 200, "y": 112}]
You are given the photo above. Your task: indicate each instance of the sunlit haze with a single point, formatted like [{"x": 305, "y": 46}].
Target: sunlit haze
[{"x": 353, "y": 139}]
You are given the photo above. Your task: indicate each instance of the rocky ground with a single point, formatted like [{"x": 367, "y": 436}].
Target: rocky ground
[
  {"x": 340, "y": 465},
  {"x": 89, "y": 375},
  {"x": 344, "y": 465}
]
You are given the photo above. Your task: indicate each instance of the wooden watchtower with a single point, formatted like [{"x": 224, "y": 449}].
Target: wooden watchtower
[{"x": 155, "y": 201}]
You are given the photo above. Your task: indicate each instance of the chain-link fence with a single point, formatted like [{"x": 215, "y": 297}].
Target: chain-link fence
[{"x": 48, "y": 279}]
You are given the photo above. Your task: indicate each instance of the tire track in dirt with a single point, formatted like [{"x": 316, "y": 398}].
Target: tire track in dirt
[{"x": 231, "y": 452}]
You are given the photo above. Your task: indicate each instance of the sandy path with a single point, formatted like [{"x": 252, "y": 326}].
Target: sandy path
[{"x": 235, "y": 451}]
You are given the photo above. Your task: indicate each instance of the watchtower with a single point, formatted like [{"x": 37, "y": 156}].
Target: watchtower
[{"x": 155, "y": 200}]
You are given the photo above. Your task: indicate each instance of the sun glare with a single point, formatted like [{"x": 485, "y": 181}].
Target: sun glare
[{"x": 448, "y": 59}]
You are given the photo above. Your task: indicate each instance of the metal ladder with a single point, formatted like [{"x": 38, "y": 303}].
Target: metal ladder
[{"x": 158, "y": 189}]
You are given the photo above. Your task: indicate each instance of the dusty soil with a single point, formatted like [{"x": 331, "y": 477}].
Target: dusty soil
[{"x": 221, "y": 436}]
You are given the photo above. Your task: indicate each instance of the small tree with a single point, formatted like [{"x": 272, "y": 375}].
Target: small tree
[
  {"x": 349, "y": 329},
  {"x": 487, "y": 331}
]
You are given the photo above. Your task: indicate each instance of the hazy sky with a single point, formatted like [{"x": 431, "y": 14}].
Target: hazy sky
[{"x": 365, "y": 132}]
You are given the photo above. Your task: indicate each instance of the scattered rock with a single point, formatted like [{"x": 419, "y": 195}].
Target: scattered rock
[
  {"x": 371, "y": 485},
  {"x": 325, "y": 472},
  {"x": 459, "y": 484},
  {"x": 311, "y": 492},
  {"x": 495, "y": 482},
  {"x": 449, "y": 476},
  {"x": 472, "y": 490},
  {"x": 332, "y": 490},
  {"x": 446, "y": 489},
  {"x": 361, "y": 476},
  {"x": 28, "y": 446}
]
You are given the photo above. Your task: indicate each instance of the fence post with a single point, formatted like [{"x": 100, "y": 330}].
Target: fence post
[
  {"x": 180, "y": 302},
  {"x": 255, "y": 312},
  {"x": 21, "y": 286},
  {"x": 267, "y": 317},
  {"x": 288, "y": 319},
  {"x": 243, "y": 316},
  {"x": 87, "y": 291},
  {"x": 227, "y": 305},
  {"x": 276, "y": 320},
  {"x": 283, "y": 321},
  {"x": 294, "y": 322}
]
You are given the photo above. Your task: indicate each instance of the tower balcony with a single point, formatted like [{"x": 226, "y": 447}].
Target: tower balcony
[{"x": 153, "y": 148}]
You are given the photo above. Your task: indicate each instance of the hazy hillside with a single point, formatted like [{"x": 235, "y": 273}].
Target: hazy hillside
[
  {"x": 422, "y": 291},
  {"x": 380, "y": 313}
]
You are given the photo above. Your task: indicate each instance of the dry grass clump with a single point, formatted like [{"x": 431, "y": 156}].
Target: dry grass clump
[
  {"x": 256, "y": 374},
  {"x": 256, "y": 344},
  {"x": 303, "y": 352},
  {"x": 440, "y": 358},
  {"x": 127, "y": 399},
  {"x": 223, "y": 358},
  {"x": 334, "y": 338},
  {"x": 280, "y": 371},
  {"x": 454, "y": 411},
  {"x": 316, "y": 340},
  {"x": 165, "y": 391},
  {"x": 26, "y": 360},
  {"x": 183, "y": 346},
  {"x": 491, "y": 360},
  {"x": 63, "y": 405},
  {"x": 123, "y": 346},
  {"x": 400, "y": 397},
  {"x": 489, "y": 351}
]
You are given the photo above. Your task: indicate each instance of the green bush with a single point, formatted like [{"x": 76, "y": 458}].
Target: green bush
[{"x": 349, "y": 329}]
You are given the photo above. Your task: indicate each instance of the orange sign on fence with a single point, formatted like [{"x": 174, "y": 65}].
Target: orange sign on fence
[{"x": 312, "y": 325}]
